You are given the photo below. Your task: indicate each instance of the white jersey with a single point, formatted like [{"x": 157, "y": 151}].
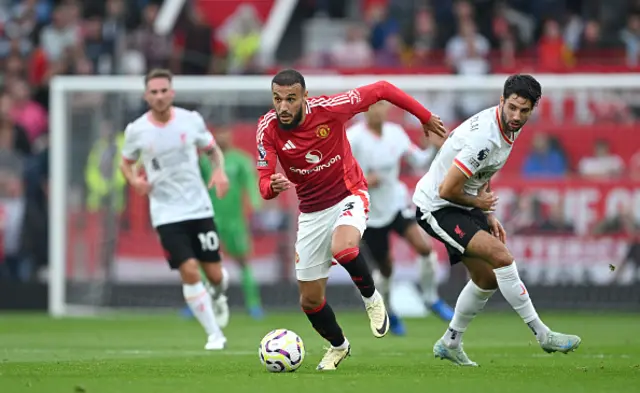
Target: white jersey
[
  {"x": 478, "y": 147},
  {"x": 382, "y": 155},
  {"x": 169, "y": 154}
]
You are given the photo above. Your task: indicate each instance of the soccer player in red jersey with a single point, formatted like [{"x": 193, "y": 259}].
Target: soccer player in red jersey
[{"x": 308, "y": 137}]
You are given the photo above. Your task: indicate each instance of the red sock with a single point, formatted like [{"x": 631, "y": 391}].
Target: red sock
[{"x": 357, "y": 268}]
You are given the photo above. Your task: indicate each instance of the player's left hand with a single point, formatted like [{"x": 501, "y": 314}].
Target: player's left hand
[
  {"x": 434, "y": 126},
  {"x": 496, "y": 228},
  {"x": 220, "y": 181}
]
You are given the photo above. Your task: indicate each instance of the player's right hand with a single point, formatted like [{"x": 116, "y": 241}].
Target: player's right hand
[
  {"x": 434, "y": 126},
  {"x": 279, "y": 183},
  {"x": 486, "y": 201},
  {"x": 141, "y": 185}
]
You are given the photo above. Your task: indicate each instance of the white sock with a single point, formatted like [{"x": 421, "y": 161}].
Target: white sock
[
  {"x": 428, "y": 281},
  {"x": 221, "y": 288},
  {"x": 199, "y": 301},
  {"x": 516, "y": 294},
  {"x": 344, "y": 345},
  {"x": 374, "y": 298},
  {"x": 471, "y": 301},
  {"x": 383, "y": 285}
]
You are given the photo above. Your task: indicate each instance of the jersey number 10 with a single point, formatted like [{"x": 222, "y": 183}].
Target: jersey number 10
[{"x": 209, "y": 241}]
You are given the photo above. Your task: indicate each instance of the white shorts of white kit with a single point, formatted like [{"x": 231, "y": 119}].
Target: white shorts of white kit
[{"x": 313, "y": 243}]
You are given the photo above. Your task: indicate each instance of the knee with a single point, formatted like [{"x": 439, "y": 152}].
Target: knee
[
  {"x": 339, "y": 246},
  {"x": 423, "y": 249},
  {"x": 501, "y": 257},
  {"x": 214, "y": 276},
  {"x": 189, "y": 272},
  {"x": 310, "y": 302}
]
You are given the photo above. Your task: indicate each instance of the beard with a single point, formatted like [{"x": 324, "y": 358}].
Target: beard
[
  {"x": 505, "y": 124},
  {"x": 295, "y": 122}
]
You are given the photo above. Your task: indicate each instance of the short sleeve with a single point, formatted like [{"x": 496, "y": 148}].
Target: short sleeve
[
  {"x": 473, "y": 157},
  {"x": 204, "y": 139},
  {"x": 130, "y": 147}
]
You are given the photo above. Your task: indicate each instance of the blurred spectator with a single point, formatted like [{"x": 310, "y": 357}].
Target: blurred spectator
[
  {"x": 62, "y": 34},
  {"x": 40, "y": 9},
  {"x": 603, "y": 164},
  {"x": 242, "y": 37},
  {"x": 196, "y": 48},
  {"x": 544, "y": 161},
  {"x": 390, "y": 55},
  {"x": 423, "y": 38},
  {"x": 18, "y": 30},
  {"x": 12, "y": 136},
  {"x": 15, "y": 67},
  {"x": 553, "y": 53},
  {"x": 591, "y": 39},
  {"x": 573, "y": 32},
  {"x": 468, "y": 51},
  {"x": 26, "y": 112},
  {"x": 114, "y": 20},
  {"x": 510, "y": 22},
  {"x": 155, "y": 48},
  {"x": 354, "y": 51},
  {"x": 381, "y": 25},
  {"x": 98, "y": 47},
  {"x": 630, "y": 35}
]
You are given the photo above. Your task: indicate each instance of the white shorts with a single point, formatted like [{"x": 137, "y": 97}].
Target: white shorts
[{"x": 313, "y": 243}]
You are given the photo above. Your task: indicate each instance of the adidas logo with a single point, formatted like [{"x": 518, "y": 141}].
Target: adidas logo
[{"x": 288, "y": 146}]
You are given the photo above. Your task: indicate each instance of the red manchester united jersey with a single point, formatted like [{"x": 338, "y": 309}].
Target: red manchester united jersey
[{"x": 316, "y": 156}]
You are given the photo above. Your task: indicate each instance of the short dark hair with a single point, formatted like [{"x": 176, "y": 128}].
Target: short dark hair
[
  {"x": 289, "y": 77},
  {"x": 524, "y": 86},
  {"x": 158, "y": 73}
]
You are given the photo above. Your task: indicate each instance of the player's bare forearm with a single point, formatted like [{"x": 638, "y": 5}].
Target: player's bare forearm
[
  {"x": 459, "y": 197},
  {"x": 216, "y": 156},
  {"x": 487, "y": 187},
  {"x": 126, "y": 167},
  {"x": 452, "y": 188}
]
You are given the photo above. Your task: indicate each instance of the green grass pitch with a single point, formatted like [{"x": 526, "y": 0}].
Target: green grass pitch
[{"x": 157, "y": 354}]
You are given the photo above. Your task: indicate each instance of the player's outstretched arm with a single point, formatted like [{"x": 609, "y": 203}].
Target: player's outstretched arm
[{"x": 365, "y": 96}]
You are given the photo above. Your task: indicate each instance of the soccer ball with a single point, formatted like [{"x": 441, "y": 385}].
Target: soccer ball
[{"x": 281, "y": 350}]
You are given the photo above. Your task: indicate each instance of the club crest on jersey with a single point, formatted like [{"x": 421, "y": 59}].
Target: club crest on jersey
[
  {"x": 323, "y": 131},
  {"x": 482, "y": 154},
  {"x": 297, "y": 258}
]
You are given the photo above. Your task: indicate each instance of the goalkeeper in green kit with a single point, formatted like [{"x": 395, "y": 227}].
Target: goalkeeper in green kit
[{"x": 229, "y": 212}]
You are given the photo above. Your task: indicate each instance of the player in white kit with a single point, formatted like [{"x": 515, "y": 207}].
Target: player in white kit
[
  {"x": 379, "y": 147},
  {"x": 455, "y": 205},
  {"x": 169, "y": 140}
]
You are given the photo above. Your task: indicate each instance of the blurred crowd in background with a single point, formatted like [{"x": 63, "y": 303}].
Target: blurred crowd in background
[{"x": 40, "y": 39}]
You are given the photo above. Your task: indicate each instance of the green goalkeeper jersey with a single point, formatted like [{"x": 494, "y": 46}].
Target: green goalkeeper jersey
[{"x": 240, "y": 170}]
